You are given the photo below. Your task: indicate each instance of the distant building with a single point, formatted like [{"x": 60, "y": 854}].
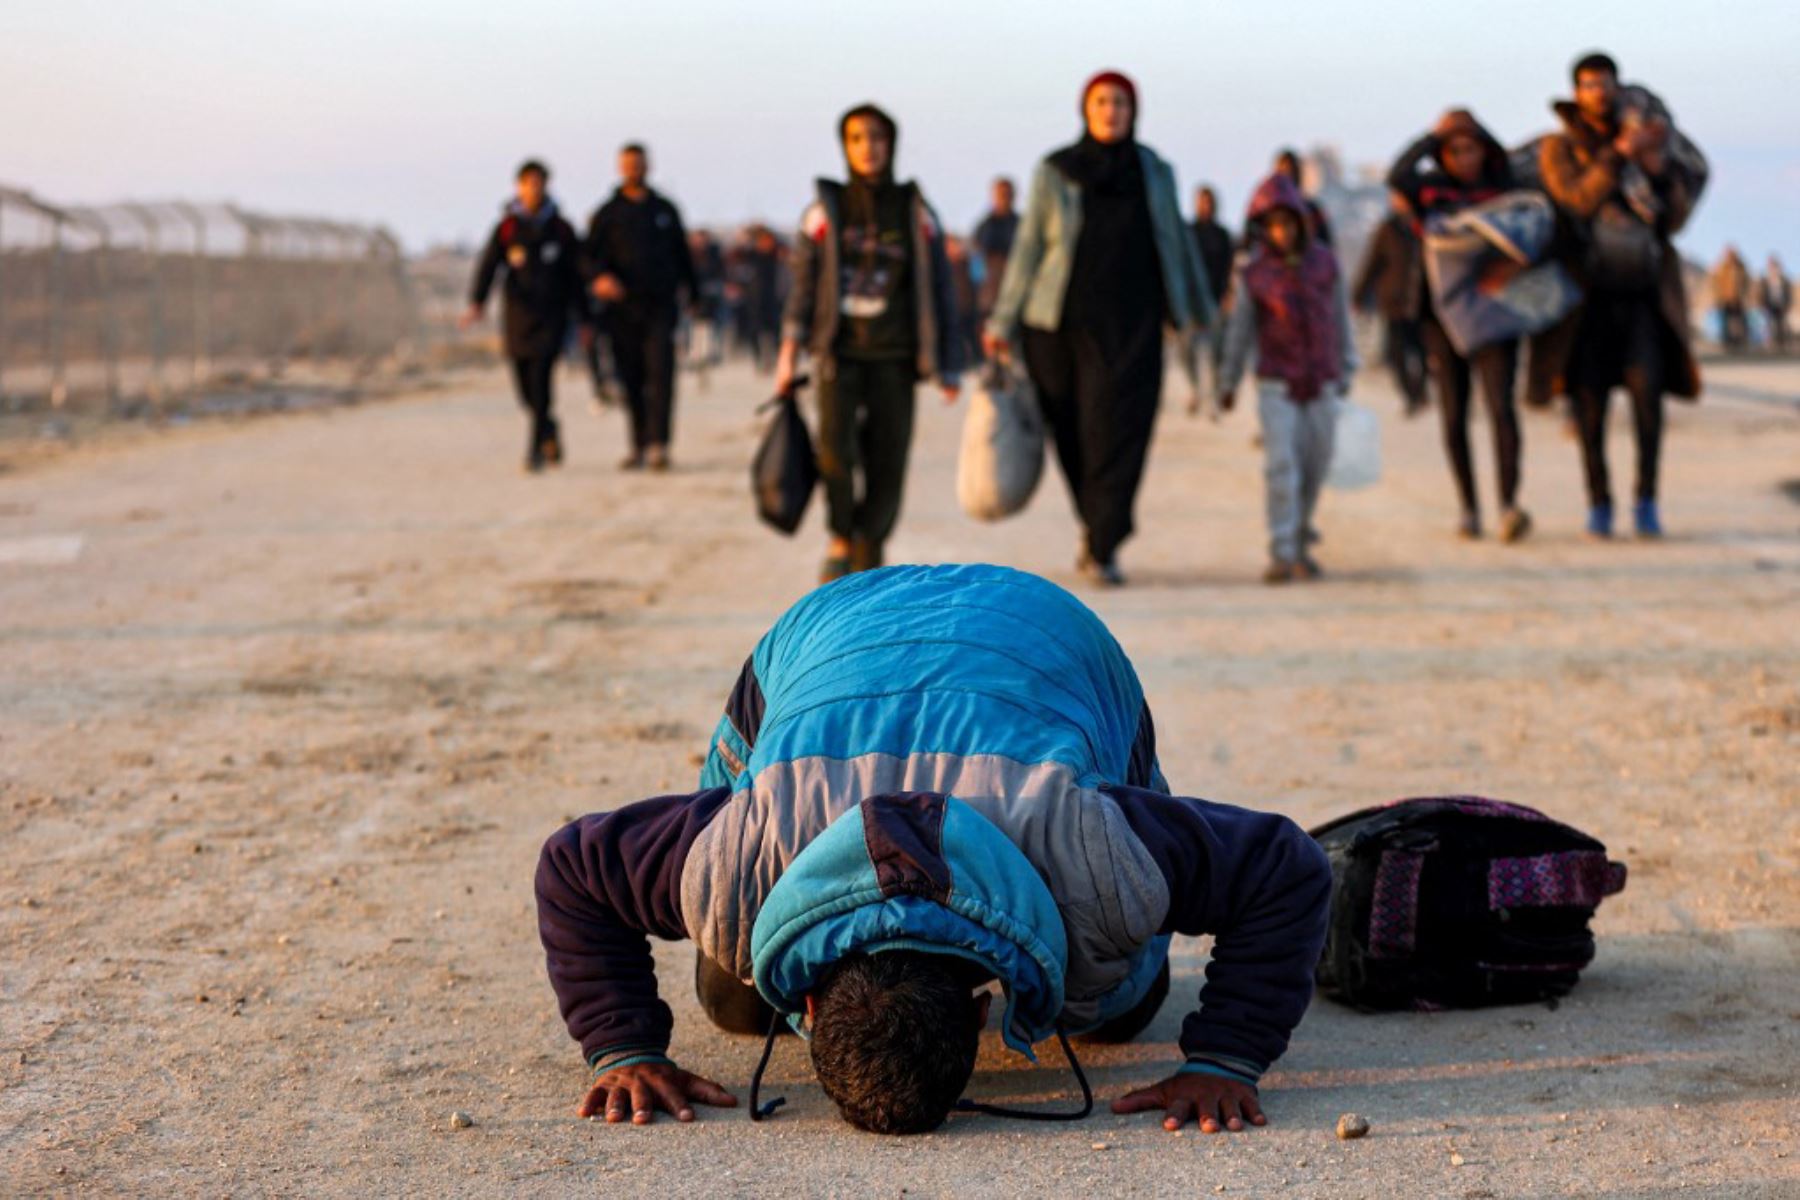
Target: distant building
[{"x": 1354, "y": 203}]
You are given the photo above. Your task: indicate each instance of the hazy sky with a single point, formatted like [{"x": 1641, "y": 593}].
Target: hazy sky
[{"x": 415, "y": 113}]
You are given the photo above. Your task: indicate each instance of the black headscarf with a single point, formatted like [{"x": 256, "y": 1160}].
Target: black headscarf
[
  {"x": 1102, "y": 168},
  {"x": 1115, "y": 280}
]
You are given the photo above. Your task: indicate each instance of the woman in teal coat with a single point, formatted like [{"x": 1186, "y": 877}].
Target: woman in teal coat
[{"x": 1102, "y": 262}]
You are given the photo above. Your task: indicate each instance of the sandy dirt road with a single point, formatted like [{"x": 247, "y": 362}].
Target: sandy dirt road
[{"x": 287, "y": 708}]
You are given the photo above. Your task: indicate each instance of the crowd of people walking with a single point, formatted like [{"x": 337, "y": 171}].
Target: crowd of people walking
[
  {"x": 1083, "y": 292},
  {"x": 1740, "y": 300}
]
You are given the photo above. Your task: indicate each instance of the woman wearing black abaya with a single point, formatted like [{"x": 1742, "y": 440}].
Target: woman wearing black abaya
[{"x": 1102, "y": 260}]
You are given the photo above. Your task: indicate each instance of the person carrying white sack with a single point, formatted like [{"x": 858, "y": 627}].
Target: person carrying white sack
[{"x": 1289, "y": 307}]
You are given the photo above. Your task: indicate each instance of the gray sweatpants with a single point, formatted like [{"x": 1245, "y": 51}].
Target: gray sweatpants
[{"x": 1297, "y": 442}]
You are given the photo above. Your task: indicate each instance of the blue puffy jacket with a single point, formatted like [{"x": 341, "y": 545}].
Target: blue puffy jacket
[{"x": 950, "y": 758}]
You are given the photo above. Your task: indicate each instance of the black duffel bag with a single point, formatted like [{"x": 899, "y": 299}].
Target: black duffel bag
[
  {"x": 1458, "y": 902},
  {"x": 784, "y": 472}
]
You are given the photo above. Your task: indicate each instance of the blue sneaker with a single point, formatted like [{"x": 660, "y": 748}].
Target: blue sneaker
[
  {"x": 1600, "y": 521},
  {"x": 1644, "y": 516}
]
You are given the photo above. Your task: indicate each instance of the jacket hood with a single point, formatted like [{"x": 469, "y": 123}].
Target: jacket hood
[
  {"x": 546, "y": 212},
  {"x": 1462, "y": 123},
  {"x": 1278, "y": 191},
  {"x": 915, "y": 871}
]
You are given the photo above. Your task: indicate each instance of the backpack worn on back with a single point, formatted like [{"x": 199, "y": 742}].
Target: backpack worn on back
[{"x": 1458, "y": 902}]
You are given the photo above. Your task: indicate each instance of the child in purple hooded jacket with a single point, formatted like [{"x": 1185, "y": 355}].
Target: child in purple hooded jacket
[{"x": 1290, "y": 305}]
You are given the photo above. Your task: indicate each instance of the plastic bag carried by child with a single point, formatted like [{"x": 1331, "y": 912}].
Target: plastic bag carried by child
[
  {"x": 1002, "y": 456},
  {"x": 1355, "y": 448}
]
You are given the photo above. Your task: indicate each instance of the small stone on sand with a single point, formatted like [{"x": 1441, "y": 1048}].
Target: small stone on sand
[
  {"x": 1456, "y": 1160},
  {"x": 1098, "y": 1146},
  {"x": 1351, "y": 1126},
  {"x": 461, "y": 1120}
]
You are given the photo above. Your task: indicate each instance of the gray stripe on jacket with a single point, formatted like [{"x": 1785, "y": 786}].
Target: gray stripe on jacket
[{"x": 1111, "y": 893}]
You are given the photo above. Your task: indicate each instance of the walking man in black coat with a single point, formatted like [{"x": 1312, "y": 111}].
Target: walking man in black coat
[
  {"x": 993, "y": 239},
  {"x": 1391, "y": 283},
  {"x": 542, "y": 289},
  {"x": 637, "y": 257},
  {"x": 1217, "y": 248}
]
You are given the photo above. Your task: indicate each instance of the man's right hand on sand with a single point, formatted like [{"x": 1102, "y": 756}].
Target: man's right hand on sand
[{"x": 637, "y": 1093}]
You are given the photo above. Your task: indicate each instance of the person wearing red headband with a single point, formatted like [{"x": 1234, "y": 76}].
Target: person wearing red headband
[{"x": 1102, "y": 261}]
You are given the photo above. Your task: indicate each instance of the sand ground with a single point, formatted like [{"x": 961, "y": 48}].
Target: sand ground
[{"x": 287, "y": 707}]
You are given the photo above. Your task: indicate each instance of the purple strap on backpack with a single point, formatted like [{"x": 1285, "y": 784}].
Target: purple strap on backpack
[
  {"x": 1394, "y": 907},
  {"x": 1574, "y": 878}
]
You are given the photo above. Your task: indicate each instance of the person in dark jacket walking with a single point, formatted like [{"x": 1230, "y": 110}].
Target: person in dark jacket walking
[
  {"x": 993, "y": 240},
  {"x": 928, "y": 779},
  {"x": 1390, "y": 283},
  {"x": 1632, "y": 329},
  {"x": 542, "y": 292},
  {"x": 1217, "y": 247},
  {"x": 638, "y": 259},
  {"x": 1456, "y": 165},
  {"x": 872, "y": 304},
  {"x": 760, "y": 283},
  {"x": 966, "y": 293},
  {"x": 1215, "y": 243},
  {"x": 1102, "y": 262},
  {"x": 705, "y": 346}
]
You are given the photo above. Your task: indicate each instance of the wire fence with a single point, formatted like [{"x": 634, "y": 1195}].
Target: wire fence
[
  {"x": 133, "y": 307},
  {"x": 149, "y": 302}
]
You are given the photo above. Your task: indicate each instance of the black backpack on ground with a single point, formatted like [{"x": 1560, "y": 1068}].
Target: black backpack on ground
[
  {"x": 1458, "y": 902},
  {"x": 784, "y": 471}
]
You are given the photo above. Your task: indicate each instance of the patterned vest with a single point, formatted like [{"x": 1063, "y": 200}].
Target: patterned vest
[{"x": 1296, "y": 325}]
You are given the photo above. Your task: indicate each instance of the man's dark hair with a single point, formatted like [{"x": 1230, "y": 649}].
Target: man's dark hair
[
  {"x": 1287, "y": 161},
  {"x": 1593, "y": 62},
  {"x": 893, "y": 1039},
  {"x": 532, "y": 166},
  {"x": 636, "y": 148},
  {"x": 1206, "y": 189}
]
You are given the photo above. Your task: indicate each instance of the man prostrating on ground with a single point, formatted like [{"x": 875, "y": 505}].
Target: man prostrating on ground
[{"x": 928, "y": 779}]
